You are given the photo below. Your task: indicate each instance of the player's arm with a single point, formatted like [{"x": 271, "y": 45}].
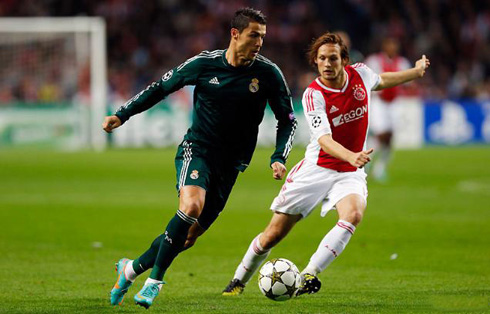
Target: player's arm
[
  {"x": 335, "y": 149},
  {"x": 175, "y": 79},
  {"x": 390, "y": 79},
  {"x": 139, "y": 103},
  {"x": 281, "y": 104},
  {"x": 316, "y": 116}
]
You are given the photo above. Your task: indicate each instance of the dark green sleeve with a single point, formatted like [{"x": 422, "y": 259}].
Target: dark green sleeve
[
  {"x": 175, "y": 79},
  {"x": 281, "y": 104}
]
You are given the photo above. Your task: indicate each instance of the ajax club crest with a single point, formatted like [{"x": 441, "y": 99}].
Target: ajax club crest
[
  {"x": 254, "y": 86},
  {"x": 359, "y": 92}
]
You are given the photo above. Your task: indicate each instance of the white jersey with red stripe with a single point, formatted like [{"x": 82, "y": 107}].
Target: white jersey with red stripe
[
  {"x": 379, "y": 63},
  {"x": 344, "y": 113}
]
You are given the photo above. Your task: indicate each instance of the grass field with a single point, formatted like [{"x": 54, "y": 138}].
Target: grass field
[{"x": 65, "y": 219}]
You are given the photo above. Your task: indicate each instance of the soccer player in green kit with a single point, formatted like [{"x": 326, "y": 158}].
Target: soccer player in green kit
[{"x": 232, "y": 88}]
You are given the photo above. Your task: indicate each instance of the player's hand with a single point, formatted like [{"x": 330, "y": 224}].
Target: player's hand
[
  {"x": 360, "y": 159},
  {"x": 278, "y": 170},
  {"x": 110, "y": 123},
  {"x": 421, "y": 65}
]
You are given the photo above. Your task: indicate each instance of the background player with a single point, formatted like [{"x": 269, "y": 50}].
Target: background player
[
  {"x": 232, "y": 89},
  {"x": 336, "y": 106},
  {"x": 382, "y": 112}
]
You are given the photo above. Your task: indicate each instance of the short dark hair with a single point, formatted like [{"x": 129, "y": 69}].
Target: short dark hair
[
  {"x": 244, "y": 16},
  {"x": 327, "y": 38}
]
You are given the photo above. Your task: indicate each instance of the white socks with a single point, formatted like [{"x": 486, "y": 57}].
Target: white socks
[
  {"x": 129, "y": 271},
  {"x": 131, "y": 275},
  {"x": 158, "y": 282},
  {"x": 251, "y": 261},
  {"x": 330, "y": 247}
]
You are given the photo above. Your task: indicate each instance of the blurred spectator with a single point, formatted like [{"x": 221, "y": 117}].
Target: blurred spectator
[
  {"x": 146, "y": 38},
  {"x": 355, "y": 55},
  {"x": 382, "y": 115}
]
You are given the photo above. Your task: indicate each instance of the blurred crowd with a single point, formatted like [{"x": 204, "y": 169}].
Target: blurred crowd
[{"x": 146, "y": 38}]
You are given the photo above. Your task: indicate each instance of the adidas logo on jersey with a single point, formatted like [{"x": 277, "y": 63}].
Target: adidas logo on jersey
[
  {"x": 334, "y": 109},
  {"x": 214, "y": 81}
]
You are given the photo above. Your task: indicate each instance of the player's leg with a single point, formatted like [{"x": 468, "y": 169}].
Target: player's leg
[
  {"x": 146, "y": 261},
  {"x": 349, "y": 196},
  {"x": 259, "y": 249},
  {"x": 350, "y": 209},
  {"x": 190, "y": 206},
  {"x": 123, "y": 282},
  {"x": 193, "y": 179},
  {"x": 128, "y": 270},
  {"x": 134, "y": 268},
  {"x": 381, "y": 126},
  {"x": 383, "y": 156},
  {"x": 220, "y": 187},
  {"x": 304, "y": 188},
  {"x": 194, "y": 232},
  {"x": 191, "y": 203}
]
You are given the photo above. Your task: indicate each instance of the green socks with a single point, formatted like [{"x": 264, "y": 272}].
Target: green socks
[
  {"x": 171, "y": 244},
  {"x": 147, "y": 260}
]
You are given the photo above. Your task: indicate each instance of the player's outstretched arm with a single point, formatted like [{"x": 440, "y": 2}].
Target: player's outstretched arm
[
  {"x": 390, "y": 79},
  {"x": 110, "y": 123},
  {"x": 334, "y": 148}
]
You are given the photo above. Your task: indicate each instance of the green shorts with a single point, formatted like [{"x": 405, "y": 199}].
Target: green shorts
[{"x": 199, "y": 166}]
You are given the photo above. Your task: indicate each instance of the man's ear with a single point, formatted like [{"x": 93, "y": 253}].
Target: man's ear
[{"x": 234, "y": 33}]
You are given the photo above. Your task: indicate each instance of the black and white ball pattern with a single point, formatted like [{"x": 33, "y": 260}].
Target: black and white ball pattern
[
  {"x": 316, "y": 121},
  {"x": 279, "y": 279}
]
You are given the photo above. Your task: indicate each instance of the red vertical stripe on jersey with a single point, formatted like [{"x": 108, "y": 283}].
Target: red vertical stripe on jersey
[
  {"x": 309, "y": 100},
  {"x": 312, "y": 104}
]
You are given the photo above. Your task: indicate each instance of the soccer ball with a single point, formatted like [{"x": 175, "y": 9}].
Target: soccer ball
[{"x": 279, "y": 279}]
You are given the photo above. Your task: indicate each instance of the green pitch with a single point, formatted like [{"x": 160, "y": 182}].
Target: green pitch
[{"x": 66, "y": 218}]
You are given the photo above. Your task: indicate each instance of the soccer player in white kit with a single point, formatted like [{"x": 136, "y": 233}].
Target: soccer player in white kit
[
  {"x": 336, "y": 105},
  {"x": 382, "y": 114}
]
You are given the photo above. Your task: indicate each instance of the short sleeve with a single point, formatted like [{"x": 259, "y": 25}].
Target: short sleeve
[
  {"x": 315, "y": 112},
  {"x": 371, "y": 79}
]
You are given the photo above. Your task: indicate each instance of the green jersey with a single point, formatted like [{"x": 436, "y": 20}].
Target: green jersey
[{"x": 229, "y": 104}]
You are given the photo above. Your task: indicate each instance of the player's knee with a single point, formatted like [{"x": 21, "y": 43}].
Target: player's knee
[
  {"x": 191, "y": 207},
  {"x": 354, "y": 216}
]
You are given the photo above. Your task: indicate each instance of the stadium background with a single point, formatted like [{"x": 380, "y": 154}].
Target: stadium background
[
  {"x": 145, "y": 40},
  {"x": 422, "y": 248}
]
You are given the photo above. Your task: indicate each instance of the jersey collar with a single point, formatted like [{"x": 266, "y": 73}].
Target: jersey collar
[
  {"x": 225, "y": 62},
  {"x": 319, "y": 82}
]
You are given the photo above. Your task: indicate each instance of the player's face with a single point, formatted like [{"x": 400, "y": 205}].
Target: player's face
[
  {"x": 250, "y": 40},
  {"x": 329, "y": 62},
  {"x": 391, "y": 47}
]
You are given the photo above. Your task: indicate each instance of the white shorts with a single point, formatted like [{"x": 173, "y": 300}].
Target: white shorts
[
  {"x": 381, "y": 116},
  {"x": 308, "y": 184}
]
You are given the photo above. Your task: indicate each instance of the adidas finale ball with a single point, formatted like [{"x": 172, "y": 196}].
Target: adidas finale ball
[{"x": 279, "y": 279}]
